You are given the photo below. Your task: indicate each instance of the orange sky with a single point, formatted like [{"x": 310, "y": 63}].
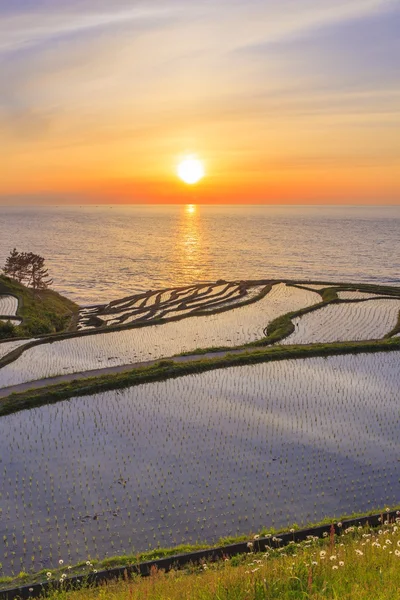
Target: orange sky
[{"x": 283, "y": 106}]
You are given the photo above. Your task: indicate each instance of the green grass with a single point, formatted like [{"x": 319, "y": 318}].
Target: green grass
[
  {"x": 41, "y": 313},
  {"x": 277, "y": 330},
  {"x": 79, "y": 569},
  {"x": 282, "y": 326},
  {"x": 168, "y": 369},
  {"x": 69, "y": 331},
  {"x": 362, "y": 287},
  {"x": 359, "y": 564}
]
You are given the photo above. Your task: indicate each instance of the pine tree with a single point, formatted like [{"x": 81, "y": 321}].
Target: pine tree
[
  {"x": 28, "y": 268},
  {"x": 38, "y": 275},
  {"x": 13, "y": 266}
]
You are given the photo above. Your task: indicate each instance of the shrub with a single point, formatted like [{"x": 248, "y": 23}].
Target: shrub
[{"x": 7, "y": 330}]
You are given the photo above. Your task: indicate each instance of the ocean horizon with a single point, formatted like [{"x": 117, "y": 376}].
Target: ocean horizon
[{"x": 99, "y": 253}]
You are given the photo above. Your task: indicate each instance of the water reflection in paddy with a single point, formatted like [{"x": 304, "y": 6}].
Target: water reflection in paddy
[{"x": 199, "y": 457}]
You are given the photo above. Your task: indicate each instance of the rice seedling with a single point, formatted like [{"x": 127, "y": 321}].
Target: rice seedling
[
  {"x": 169, "y": 303},
  {"x": 356, "y": 295},
  {"x": 7, "y": 347},
  {"x": 198, "y": 457},
  {"x": 231, "y": 328},
  {"x": 8, "y": 306},
  {"x": 368, "y": 320}
]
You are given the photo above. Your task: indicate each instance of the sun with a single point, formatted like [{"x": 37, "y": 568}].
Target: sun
[{"x": 191, "y": 170}]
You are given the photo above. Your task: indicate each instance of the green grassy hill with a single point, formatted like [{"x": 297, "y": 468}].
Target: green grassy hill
[{"x": 42, "y": 312}]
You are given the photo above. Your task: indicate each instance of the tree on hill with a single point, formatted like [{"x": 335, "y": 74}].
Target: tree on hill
[
  {"x": 27, "y": 268},
  {"x": 38, "y": 275},
  {"x": 14, "y": 266}
]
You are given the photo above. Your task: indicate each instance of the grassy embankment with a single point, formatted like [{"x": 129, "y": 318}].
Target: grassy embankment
[
  {"x": 276, "y": 331},
  {"x": 70, "y": 332},
  {"x": 165, "y": 369},
  {"x": 168, "y": 369},
  {"x": 42, "y": 312},
  {"x": 360, "y": 564},
  {"x": 282, "y": 326}
]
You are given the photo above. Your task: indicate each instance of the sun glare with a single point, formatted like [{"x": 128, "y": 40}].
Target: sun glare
[{"x": 191, "y": 170}]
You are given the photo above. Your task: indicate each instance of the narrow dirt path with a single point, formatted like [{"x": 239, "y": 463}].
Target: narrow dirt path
[{"x": 41, "y": 383}]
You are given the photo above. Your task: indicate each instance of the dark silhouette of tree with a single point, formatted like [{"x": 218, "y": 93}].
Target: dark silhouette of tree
[
  {"x": 37, "y": 273},
  {"x": 15, "y": 265},
  {"x": 27, "y": 268}
]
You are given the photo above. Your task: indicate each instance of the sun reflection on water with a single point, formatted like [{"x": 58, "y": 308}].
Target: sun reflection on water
[
  {"x": 190, "y": 248},
  {"x": 190, "y": 209}
]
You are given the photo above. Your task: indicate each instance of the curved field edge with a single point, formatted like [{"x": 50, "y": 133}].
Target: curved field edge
[
  {"x": 281, "y": 327},
  {"x": 48, "y": 339},
  {"x": 169, "y": 369},
  {"x": 207, "y": 306},
  {"x": 277, "y": 330},
  {"x": 120, "y": 567}
]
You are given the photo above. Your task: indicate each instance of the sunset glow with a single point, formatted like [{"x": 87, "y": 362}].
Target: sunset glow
[{"x": 284, "y": 102}]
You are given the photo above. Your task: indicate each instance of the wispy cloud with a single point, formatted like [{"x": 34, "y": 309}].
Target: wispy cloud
[
  {"x": 140, "y": 78},
  {"x": 37, "y": 27}
]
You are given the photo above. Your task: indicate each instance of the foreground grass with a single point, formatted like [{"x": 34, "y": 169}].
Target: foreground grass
[
  {"x": 360, "y": 564},
  {"x": 42, "y": 313},
  {"x": 86, "y": 567}
]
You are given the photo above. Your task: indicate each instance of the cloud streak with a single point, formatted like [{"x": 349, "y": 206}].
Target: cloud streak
[
  {"x": 21, "y": 32},
  {"x": 299, "y": 82}
]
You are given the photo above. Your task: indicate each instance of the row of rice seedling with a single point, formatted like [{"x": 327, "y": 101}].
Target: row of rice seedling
[
  {"x": 231, "y": 328},
  {"x": 199, "y": 457},
  {"x": 356, "y": 295},
  {"x": 7, "y": 347},
  {"x": 367, "y": 320},
  {"x": 252, "y": 292},
  {"x": 8, "y": 306},
  {"x": 166, "y": 304}
]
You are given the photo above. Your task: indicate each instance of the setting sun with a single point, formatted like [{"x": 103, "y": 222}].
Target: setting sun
[{"x": 191, "y": 170}]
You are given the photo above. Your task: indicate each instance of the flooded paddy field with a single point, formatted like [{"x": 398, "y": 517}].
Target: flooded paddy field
[
  {"x": 7, "y": 347},
  {"x": 367, "y": 320},
  {"x": 199, "y": 457},
  {"x": 8, "y": 305},
  {"x": 231, "y": 328},
  {"x": 161, "y": 304}
]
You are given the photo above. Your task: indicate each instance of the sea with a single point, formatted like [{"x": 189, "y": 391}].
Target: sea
[{"x": 96, "y": 254}]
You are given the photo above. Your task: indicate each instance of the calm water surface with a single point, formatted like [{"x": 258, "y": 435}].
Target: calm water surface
[
  {"x": 199, "y": 457},
  {"x": 96, "y": 254}
]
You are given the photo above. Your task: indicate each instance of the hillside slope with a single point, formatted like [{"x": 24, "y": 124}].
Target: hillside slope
[{"x": 46, "y": 311}]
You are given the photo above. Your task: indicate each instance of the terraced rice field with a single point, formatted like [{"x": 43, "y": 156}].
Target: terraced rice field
[
  {"x": 368, "y": 320},
  {"x": 168, "y": 303},
  {"x": 356, "y": 295},
  {"x": 199, "y": 457},
  {"x": 8, "y": 306},
  {"x": 231, "y": 328},
  {"x": 7, "y": 347}
]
